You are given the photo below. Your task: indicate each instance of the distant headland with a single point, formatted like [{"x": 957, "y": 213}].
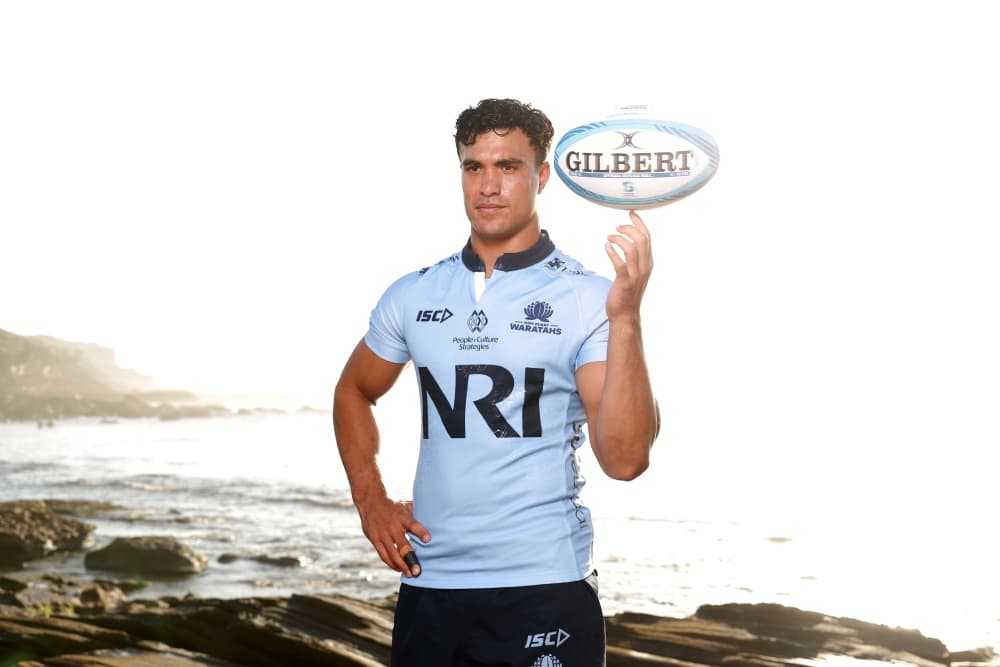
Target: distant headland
[{"x": 45, "y": 379}]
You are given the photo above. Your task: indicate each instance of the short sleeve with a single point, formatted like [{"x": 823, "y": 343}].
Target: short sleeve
[
  {"x": 386, "y": 336},
  {"x": 594, "y": 348},
  {"x": 594, "y": 320}
]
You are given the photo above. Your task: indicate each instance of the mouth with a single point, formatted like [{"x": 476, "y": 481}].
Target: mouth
[{"x": 488, "y": 207}]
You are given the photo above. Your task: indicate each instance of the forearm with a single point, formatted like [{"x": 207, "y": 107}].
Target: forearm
[
  {"x": 385, "y": 523},
  {"x": 627, "y": 420},
  {"x": 358, "y": 441}
]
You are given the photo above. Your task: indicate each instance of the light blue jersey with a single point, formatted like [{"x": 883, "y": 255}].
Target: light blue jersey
[{"x": 498, "y": 480}]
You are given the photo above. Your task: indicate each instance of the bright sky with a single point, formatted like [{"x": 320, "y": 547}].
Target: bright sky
[{"x": 221, "y": 190}]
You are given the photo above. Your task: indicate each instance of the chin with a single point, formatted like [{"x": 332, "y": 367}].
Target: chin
[{"x": 491, "y": 227}]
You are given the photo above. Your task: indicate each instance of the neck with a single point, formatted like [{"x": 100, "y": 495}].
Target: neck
[{"x": 490, "y": 248}]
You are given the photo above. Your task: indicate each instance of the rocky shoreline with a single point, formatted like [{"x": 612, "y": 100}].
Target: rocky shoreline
[
  {"x": 58, "y": 621},
  {"x": 336, "y": 630}
]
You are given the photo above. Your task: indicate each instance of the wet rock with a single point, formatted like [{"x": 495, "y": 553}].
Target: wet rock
[
  {"x": 260, "y": 632},
  {"x": 336, "y": 630},
  {"x": 842, "y": 636},
  {"x": 31, "y": 638},
  {"x": 12, "y": 584},
  {"x": 984, "y": 656},
  {"x": 127, "y": 585},
  {"x": 264, "y": 559},
  {"x": 46, "y": 593},
  {"x": 30, "y": 530},
  {"x": 279, "y": 561},
  {"x": 102, "y": 596},
  {"x": 133, "y": 658},
  {"x": 154, "y": 556},
  {"x": 81, "y": 508},
  {"x": 764, "y": 635}
]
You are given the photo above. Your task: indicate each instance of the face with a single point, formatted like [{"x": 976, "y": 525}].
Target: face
[{"x": 500, "y": 182}]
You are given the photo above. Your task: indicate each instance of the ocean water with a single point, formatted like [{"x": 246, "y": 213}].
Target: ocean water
[{"x": 273, "y": 485}]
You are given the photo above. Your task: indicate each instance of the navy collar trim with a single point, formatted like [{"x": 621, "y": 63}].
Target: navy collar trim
[{"x": 511, "y": 261}]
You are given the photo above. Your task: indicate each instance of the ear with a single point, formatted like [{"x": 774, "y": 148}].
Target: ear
[{"x": 543, "y": 175}]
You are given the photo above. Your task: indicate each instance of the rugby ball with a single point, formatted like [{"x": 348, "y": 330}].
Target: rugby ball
[{"x": 633, "y": 160}]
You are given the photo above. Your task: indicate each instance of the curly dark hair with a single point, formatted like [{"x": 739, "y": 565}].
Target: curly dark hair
[{"x": 501, "y": 116}]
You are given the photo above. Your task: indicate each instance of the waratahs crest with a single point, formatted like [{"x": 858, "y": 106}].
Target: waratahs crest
[{"x": 538, "y": 310}]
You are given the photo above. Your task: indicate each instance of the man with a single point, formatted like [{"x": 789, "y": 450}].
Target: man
[{"x": 516, "y": 346}]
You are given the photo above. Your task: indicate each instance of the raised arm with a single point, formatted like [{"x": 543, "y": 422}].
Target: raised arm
[
  {"x": 622, "y": 414},
  {"x": 365, "y": 378}
]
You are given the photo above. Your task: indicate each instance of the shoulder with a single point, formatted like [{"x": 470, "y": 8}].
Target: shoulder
[
  {"x": 448, "y": 266},
  {"x": 561, "y": 266},
  {"x": 428, "y": 275}
]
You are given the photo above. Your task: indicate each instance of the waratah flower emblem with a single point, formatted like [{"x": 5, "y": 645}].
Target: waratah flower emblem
[{"x": 538, "y": 310}]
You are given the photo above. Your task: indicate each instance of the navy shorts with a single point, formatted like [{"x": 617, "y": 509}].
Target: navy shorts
[{"x": 550, "y": 625}]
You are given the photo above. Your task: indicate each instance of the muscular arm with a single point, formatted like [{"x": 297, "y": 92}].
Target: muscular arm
[
  {"x": 365, "y": 378},
  {"x": 622, "y": 415}
]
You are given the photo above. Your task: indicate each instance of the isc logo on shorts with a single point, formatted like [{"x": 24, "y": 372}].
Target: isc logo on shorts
[{"x": 554, "y": 638}]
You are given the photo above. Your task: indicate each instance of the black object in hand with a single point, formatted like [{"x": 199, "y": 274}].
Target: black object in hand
[{"x": 411, "y": 560}]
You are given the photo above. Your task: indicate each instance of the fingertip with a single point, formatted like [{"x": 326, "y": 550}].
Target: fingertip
[{"x": 637, "y": 220}]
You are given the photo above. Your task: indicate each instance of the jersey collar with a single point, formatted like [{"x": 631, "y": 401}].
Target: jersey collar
[{"x": 511, "y": 261}]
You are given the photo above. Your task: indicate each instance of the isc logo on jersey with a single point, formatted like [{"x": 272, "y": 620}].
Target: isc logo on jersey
[{"x": 439, "y": 315}]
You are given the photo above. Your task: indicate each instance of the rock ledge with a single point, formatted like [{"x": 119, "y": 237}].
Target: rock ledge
[{"x": 336, "y": 630}]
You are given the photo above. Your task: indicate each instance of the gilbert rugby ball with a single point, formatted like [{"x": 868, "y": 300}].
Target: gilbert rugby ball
[{"x": 632, "y": 160}]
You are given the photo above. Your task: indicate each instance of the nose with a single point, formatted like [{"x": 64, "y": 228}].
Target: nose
[{"x": 489, "y": 183}]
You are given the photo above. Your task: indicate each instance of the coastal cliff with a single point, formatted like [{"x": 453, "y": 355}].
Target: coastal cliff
[{"x": 45, "y": 379}]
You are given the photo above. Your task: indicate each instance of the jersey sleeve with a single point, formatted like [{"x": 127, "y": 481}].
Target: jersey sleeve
[
  {"x": 386, "y": 336},
  {"x": 594, "y": 320}
]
